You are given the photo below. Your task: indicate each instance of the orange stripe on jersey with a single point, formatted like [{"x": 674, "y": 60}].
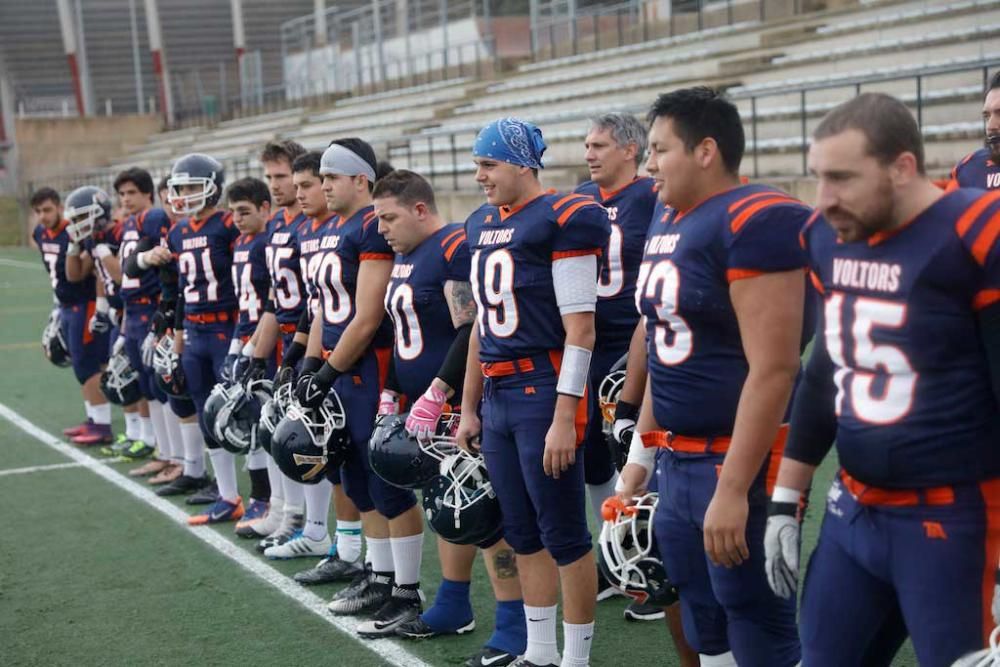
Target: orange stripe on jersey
[
  {"x": 732, "y": 275},
  {"x": 448, "y": 239},
  {"x": 568, "y": 198},
  {"x": 88, "y": 337},
  {"x": 746, "y": 200},
  {"x": 984, "y": 298},
  {"x": 368, "y": 220},
  {"x": 737, "y": 223},
  {"x": 565, "y": 215},
  {"x": 374, "y": 255},
  {"x": 966, "y": 220},
  {"x": 456, "y": 244},
  {"x": 816, "y": 283},
  {"x": 227, "y": 218},
  {"x": 563, "y": 254},
  {"x": 986, "y": 239},
  {"x": 991, "y": 501}
]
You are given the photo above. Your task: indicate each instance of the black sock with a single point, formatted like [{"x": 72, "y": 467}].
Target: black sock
[{"x": 260, "y": 486}]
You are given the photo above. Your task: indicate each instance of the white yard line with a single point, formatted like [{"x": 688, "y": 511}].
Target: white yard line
[
  {"x": 31, "y": 469},
  {"x": 18, "y": 264},
  {"x": 389, "y": 651}
]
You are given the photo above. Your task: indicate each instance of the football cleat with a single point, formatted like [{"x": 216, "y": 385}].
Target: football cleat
[
  {"x": 206, "y": 495},
  {"x": 70, "y": 431},
  {"x": 137, "y": 449},
  {"x": 638, "y": 611},
  {"x": 299, "y": 547},
  {"x": 182, "y": 485},
  {"x": 524, "y": 662},
  {"x": 365, "y": 595},
  {"x": 94, "y": 434},
  {"x": 330, "y": 570},
  {"x": 219, "y": 512},
  {"x": 291, "y": 525},
  {"x": 255, "y": 513},
  {"x": 419, "y": 629},
  {"x": 116, "y": 448},
  {"x": 264, "y": 526},
  {"x": 490, "y": 657},
  {"x": 628, "y": 556},
  {"x": 402, "y": 606}
]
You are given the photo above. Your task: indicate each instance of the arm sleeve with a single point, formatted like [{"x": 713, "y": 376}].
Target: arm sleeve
[
  {"x": 305, "y": 322},
  {"x": 574, "y": 280},
  {"x": 131, "y": 268},
  {"x": 452, "y": 371},
  {"x": 814, "y": 421},
  {"x": 179, "y": 313},
  {"x": 391, "y": 379}
]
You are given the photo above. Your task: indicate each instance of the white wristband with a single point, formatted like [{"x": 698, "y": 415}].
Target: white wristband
[
  {"x": 235, "y": 346},
  {"x": 574, "y": 372},
  {"x": 639, "y": 455},
  {"x": 72, "y": 249},
  {"x": 248, "y": 349},
  {"x": 140, "y": 259},
  {"x": 102, "y": 305},
  {"x": 784, "y": 494}
]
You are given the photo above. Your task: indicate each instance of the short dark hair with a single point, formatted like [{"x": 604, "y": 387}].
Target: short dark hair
[
  {"x": 408, "y": 187},
  {"x": 276, "y": 151},
  {"x": 138, "y": 177},
  {"x": 307, "y": 162},
  {"x": 889, "y": 127},
  {"x": 42, "y": 195},
  {"x": 249, "y": 189},
  {"x": 699, "y": 113},
  {"x": 364, "y": 150},
  {"x": 994, "y": 81},
  {"x": 162, "y": 185}
]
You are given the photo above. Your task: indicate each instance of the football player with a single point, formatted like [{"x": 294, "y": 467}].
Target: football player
[
  {"x": 534, "y": 278},
  {"x": 77, "y": 304},
  {"x": 722, "y": 293},
  {"x": 982, "y": 168},
  {"x": 432, "y": 308},
  {"x": 905, "y": 373},
  {"x": 352, "y": 279},
  {"x": 144, "y": 297}
]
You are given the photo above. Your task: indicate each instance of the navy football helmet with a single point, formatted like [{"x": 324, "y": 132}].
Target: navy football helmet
[
  {"x": 119, "y": 381},
  {"x": 238, "y": 421},
  {"x": 88, "y": 209},
  {"x": 167, "y": 371},
  {"x": 307, "y": 440},
  {"x": 217, "y": 398},
  {"x": 460, "y": 504},
  {"x": 628, "y": 556},
  {"x": 53, "y": 343},
  {"x": 399, "y": 459},
  {"x": 200, "y": 170}
]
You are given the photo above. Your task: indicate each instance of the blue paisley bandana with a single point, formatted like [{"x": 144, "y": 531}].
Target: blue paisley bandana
[{"x": 511, "y": 140}]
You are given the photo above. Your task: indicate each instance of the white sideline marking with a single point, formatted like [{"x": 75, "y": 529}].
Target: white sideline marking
[
  {"x": 18, "y": 264},
  {"x": 31, "y": 469},
  {"x": 387, "y": 650}
]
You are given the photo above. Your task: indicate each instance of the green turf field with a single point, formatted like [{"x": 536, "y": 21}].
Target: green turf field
[{"x": 90, "y": 575}]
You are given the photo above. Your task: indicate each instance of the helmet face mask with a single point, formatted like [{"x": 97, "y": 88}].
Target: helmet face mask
[
  {"x": 271, "y": 414},
  {"x": 53, "y": 343},
  {"x": 608, "y": 394},
  {"x": 308, "y": 440},
  {"x": 460, "y": 504},
  {"x": 628, "y": 555},
  {"x": 88, "y": 209},
  {"x": 120, "y": 382},
  {"x": 203, "y": 172},
  {"x": 238, "y": 421},
  {"x": 165, "y": 364}
]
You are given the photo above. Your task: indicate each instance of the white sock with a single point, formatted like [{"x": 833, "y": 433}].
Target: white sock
[
  {"x": 176, "y": 446},
  {"x": 406, "y": 555},
  {"x": 275, "y": 478},
  {"x": 379, "y": 553},
  {"x": 257, "y": 459},
  {"x": 224, "y": 465},
  {"x": 349, "y": 540},
  {"x": 723, "y": 660},
  {"x": 146, "y": 432},
  {"x": 317, "y": 509},
  {"x": 598, "y": 493},
  {"x": 542, "y": 647},
  {"x": 577, "y": 639},
  {"x": 89, "y": 409},
  {"x": 194, "y": 449},
  {"x": 133, "y": 428},
  {"x": 157, "y": 420},
  {"x": 295, "y": 493},
  {"x": 102, "y": 413}
]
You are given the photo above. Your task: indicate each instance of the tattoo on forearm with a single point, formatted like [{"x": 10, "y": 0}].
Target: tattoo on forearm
[
  {"x": 462, "y": 303},
  {"x": 505, "y": 564}
]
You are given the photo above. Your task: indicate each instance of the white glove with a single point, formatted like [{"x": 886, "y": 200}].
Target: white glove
[
  {"x": 148, "y": 348},
  {"x": 102, "y": 250},
  {"x": 781, "y": 552},
  {"x": 118, "y": 346},
  {"x": 995, "y": 608}
]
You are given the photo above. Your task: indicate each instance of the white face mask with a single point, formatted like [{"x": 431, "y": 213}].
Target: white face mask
[{"x": 192, "y": 203}]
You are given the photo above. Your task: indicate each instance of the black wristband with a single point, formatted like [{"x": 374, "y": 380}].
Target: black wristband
[
  {"x": 292, "y": 355},
  {"x": 327, "y": 374},
  {"x": 269, "y": 306},
  {"x": 785, "y": 509},
  {"x": 311, "y": 365},
  {"x": 625, "y": 410}
]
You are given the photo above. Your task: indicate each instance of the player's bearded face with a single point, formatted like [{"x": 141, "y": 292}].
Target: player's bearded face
[
  {"x": 279, "y": 182},
  {"x": 991, "y": 116}
]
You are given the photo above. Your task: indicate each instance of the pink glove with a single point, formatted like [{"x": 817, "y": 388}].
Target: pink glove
[
  {"x": 388, "y": 403},
  {"x": 425, "y": 413}
]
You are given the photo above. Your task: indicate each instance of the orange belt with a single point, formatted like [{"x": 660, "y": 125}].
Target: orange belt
[
  {"x": 499, "y": 369},
  {"x": 872, "y": 495},
  {"x": 140, "y": 301},
  {"x": 208, "y": 318},
  {"x": 687, "y": 444},
  {"x": 288, "y": 327}
]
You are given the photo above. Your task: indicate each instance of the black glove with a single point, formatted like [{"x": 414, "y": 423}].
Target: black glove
[
  {"x": 178, "y": 383},
  {"x": 239, "y": 367},
  {"x": 163, "y": 319},
  {"x": 285, "y": 375},
  {"x": 256, "y": 370},
  {"x": 99, "y": 323},
  {"x": 226, "y": 374},
  {"x": 312, "y": 388}
]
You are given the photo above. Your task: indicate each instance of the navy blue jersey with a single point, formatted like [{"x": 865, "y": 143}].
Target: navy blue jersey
[
  {"x": 415, "y": 300},
  {"x": 976, "y": 170},
  {"x": 152, "y": 224},
  {"x": 111, "y": 237},
  {"x": 511, "y": 275},
  {"x": 251, "y": 280},
  {"x": 310, "y": 236},
  {"x": 52, "y": 244},
  {"x": 696, "y": 361},
  {"x": 283, "y": 264},
  {"x": 346, "y": 244},
  {"x": 204, "y": 252},
  {"x": 630, "y": 210},
  {"x": 914, "y": 402}
]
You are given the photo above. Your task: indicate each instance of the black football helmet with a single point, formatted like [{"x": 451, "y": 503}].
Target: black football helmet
[
  {"x": 166, "y": 369},
  {"x": 238, "y": 420},
  {"x": 628, "y": 556},
  {"x": 399, "y": 459},
  {"x": 307, "y": 440},
  {"x": 88, "y": 209},
  {"x": 119, "y": 381},
  {"x": 53, "y": 343},
  {"x": 217, "y": 398},
  {"x": 460, "y": 504},
  {"x": 200, "y": 170}
]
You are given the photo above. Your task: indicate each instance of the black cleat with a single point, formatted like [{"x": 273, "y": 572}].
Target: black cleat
[
  {"x": 418, "y": 629},
  {"x": 643, "y": 612},
  {"x": 329, "y": 570},
  {"x": 403, "y": 605},
  {"x": 490, "y": 657},
  {"x": 182, "y": 486},
  {"x": 206, "y": 495},
  {"x": 365, "y": 595}
]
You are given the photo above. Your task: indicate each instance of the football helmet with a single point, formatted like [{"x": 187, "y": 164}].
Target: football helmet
[
  {"x": 987, "y": 657},
  {"x": 88, "y": 209},
  {"x": 271, "y": 414},
  {"x": 628, "y": 556},
  {"x": 609, "y": 391},
  {"x": 53, "y": 343},
  {"x": 460, "y": 504},
  {"x": 166, "y": 364},
  {"x": 200, "y": 170},
  {"x": 237, "y": 421},
  {"x": 399, "y": 459},
  {"x": 119, "y": 381},
  {"x": 217, "y": 398},
  {"x": 307, "y": 440}
]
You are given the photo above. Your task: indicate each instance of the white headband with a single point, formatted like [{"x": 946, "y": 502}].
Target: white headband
[{"x": 338, "y": 159}]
